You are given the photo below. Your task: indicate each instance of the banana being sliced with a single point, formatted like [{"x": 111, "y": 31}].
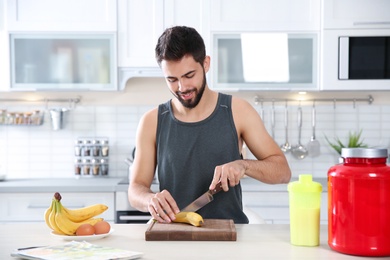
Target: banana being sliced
[{"x": 191, "y": 218}]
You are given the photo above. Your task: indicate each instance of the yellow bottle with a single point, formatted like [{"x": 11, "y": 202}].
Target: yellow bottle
[{"x": 305, "y": 203}]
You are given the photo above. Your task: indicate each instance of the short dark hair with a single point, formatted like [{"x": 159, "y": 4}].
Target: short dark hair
[{"x": 178, "y": 41}]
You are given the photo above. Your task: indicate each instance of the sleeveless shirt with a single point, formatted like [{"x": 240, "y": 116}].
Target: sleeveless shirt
[{"x": 187, "y": 154}]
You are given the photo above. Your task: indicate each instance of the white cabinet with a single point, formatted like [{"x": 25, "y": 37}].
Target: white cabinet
[
  {"x": 141, "y": 22},
  {"x": 264, "y": 15},
  {"x": 353, "y": 14},
  {"x": 16, "y": 207},
  {"x": 273, "y": 206},
  {"x": 61, "y": 15}
]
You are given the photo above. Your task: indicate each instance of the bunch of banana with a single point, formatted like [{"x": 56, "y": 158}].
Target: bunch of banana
[
  {"x": 65, "y": 221},
  {"x": 191, "y": 218}
]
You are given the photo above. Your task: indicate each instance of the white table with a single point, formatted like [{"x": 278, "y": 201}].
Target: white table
[{"x": 260, "y": 241}]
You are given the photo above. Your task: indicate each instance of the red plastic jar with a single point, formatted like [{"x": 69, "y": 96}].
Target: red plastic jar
[{"x": 359, "y": 203}]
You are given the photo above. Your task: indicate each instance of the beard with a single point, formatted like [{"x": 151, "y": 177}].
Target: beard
[{"x": 192, "y": 102}]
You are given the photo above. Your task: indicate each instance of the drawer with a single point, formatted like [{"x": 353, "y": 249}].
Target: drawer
[{"x": 31, "y": 206}]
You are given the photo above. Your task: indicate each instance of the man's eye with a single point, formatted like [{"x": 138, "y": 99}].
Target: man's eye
[
  {"x": 172, "y": 80},
  {"x": 190, "y": 76}
]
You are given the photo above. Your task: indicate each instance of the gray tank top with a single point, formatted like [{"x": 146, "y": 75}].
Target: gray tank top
[{"x": 187, "y": 154}]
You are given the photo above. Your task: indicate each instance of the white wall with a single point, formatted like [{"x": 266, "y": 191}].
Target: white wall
[{"x": 38, "y": 151}]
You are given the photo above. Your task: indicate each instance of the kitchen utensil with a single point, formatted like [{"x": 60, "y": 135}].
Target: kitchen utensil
[
  {"x": 203, "y": 199},
  {"x": 358, "y": 199},
  {"x": 313, "y": 146},
  {"x": 57, "y": 118},
  {"x": 286, "y": 147},
  {"x": 299, "y": 151},
  {"x": 211, "y": 230}
]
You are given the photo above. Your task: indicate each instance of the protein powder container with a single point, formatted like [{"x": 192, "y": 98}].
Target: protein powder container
[{"x": 359, "y": 203}]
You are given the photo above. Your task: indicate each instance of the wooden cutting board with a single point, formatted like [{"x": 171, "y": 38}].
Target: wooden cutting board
[{"x": 211, "y": 230}]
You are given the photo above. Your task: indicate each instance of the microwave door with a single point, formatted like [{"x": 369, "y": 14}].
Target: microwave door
[{"x": 344, "y": 58}]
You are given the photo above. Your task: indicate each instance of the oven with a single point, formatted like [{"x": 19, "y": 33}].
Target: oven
[{"x": 124, "y": 213}]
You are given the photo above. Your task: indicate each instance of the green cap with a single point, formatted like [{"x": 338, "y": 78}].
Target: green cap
[{"x": 305, "y": 184}]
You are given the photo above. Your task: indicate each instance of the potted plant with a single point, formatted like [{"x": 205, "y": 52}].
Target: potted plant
[{"x": 354, "y": 141}]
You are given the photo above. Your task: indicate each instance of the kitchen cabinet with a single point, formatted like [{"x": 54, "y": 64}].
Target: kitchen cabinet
[
  {"x": 273, "y": 206},
  {"x": 263, "y": 15},
  {"x": 61, "y": 15},
  {"x": 18, "y": 207},
  {"x": 63, "y": 61},
  {"x": 352, "y": 14},
  {"x": 265, "y": 61},
  {"x": 141, "y": 22}
]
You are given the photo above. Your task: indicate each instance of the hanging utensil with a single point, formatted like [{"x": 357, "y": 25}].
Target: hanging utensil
[
  {"x": 313, "y": 147},
  {"x": 299, "y": 151},
  {"x": 286, "y": 147}
]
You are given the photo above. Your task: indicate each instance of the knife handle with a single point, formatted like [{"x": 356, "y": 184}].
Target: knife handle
[{"x": 217, "y": 188}]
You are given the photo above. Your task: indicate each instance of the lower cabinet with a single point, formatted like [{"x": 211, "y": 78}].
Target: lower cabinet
[
  {"x": 18, "y": 207},
  {"x": 273, "y": 207}
]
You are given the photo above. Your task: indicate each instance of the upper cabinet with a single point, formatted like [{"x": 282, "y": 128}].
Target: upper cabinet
[
  {"x": 61, "y": 15},
  {"x": 141, "y": 22},
  {"x": 265, "y": 15},
  {"x": 352, "y": 14}
]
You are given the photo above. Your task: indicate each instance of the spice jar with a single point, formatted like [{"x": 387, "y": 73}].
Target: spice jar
[
  {"x": 358, "y": 203},
  {"x": 86, "y": 166},
  {"x": 27, "y": 118},
  {"x": 36, "y": 117},
  {"x": 87, "y": 147},
  {"x": 77, "y": 147},
  {"x": 95, "y": 167},
  {"x": 104, "y": 167},
  {"x": 77, "y": 166},
  {"x": 95, "y": 148},
  {"x": 105, "y": 148},
  {"x": 3, "y": 115},
  {"x": 10, "y": 118}
]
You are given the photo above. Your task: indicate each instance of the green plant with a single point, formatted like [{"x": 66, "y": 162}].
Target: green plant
[{"x": 353, "y": 142}]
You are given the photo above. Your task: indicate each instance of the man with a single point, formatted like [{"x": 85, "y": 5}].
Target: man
[{"x": 195, "y": 140}]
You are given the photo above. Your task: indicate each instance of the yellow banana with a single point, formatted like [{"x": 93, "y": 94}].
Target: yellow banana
[
  {"x": 68, "y": 226},
  {"x": 192, "y": 218},
  {"x": 47, "y": 214},
  {"x": 52, "y": 217},
  {"x": 81, "y": 214}
]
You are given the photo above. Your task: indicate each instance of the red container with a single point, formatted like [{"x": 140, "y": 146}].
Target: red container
[{"x": 359, "y": 203}]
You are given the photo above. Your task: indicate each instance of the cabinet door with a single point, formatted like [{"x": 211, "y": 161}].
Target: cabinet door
[
  {"x": 250, "y": 15},
  {"x": 141, "y": 22},
  {"x": 352, "y": 14},
  {"x": 4, "y": 64},
  {"x": 61, "y": 15},
  {"x": 15, "y": 207}
]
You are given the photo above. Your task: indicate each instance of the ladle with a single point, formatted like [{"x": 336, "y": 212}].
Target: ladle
[
  {"x": 286, "y": 147},
  {"x": 313, "y": 146},
  {"x": 299, "y": 151}
]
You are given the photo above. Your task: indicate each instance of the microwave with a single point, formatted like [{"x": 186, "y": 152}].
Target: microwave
[{"x": 356, "y": 59}]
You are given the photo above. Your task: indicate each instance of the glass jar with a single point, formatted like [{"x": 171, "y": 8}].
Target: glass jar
[
  {"x": 77, "y": 147},
  {"x": 77, "y": 167},
  {"x": 36, "y": 117},
  {"x": 96, "y": 148},
  {"x": 27, "y": 118},
  {"x": 10, "y": 119},
  {"x": 86, "y": 166},
  {"x": 87, "y": 147},
  {"x": 3, "y": 116},
  {"x": 358, "y": 203},
  {"x": 105, "y": 148},
  {"x": 95, "y": 167},
  {"x": 104, "y": 167}
]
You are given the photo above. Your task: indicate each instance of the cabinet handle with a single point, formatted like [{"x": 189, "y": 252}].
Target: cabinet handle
[{"x": 38, "y": 206}]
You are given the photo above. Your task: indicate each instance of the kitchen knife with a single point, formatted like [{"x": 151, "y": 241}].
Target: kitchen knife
[{"x": 203, "y": 199}]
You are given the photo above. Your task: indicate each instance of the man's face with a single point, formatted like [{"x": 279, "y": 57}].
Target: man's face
[{"x": 186, "y": 80}]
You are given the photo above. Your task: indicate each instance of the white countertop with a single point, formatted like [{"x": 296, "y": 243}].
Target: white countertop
[
  {"x": 253, "y": 242},
  {"x": 112, "y": 185}
]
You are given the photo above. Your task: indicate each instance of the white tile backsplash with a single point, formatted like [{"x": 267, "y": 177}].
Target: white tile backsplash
[{"x": 39, "y": 151}]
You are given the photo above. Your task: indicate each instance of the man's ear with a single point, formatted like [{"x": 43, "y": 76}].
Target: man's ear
[{"x": 206, "y": 64}]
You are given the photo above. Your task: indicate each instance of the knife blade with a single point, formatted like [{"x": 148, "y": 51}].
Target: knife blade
[{"x": 203, "y": 200}]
